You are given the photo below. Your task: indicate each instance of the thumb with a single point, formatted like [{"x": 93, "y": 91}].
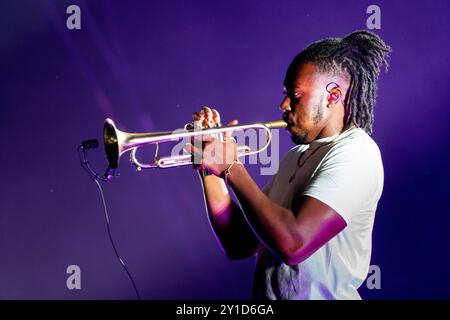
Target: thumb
[{"x": 227, "y": 134}]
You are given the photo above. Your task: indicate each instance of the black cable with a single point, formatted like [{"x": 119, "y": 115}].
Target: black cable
[
  {"x": 112, "y": 242},
  {"x": 95, "y": 177}
]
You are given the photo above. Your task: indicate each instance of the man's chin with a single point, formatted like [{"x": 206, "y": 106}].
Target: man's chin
[{"x": 297, "y": 139}]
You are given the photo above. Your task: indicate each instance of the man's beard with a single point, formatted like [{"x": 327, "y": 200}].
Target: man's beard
[
  {"x": 316, "y": 118},
  {"x": 299, "y": 139}
]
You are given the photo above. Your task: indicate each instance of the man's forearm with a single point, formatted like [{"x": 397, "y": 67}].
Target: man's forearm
[
  {"x": 218, "y": 199},
  {"x": 272, "y": 223},
  {"x": 227, "y": 220}
]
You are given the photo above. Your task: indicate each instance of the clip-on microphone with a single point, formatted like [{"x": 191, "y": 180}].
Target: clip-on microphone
[{"x": 93, "y": 144}]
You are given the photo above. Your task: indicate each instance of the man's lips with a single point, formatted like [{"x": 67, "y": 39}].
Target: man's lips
[
  {"x": 287, "y": 120},
  {"x": 289, "y": 126}
]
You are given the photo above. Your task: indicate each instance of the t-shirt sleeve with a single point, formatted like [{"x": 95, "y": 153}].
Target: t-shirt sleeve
[
  {"x": 266, "y": 189},
  {"x": 348, "y": 180}
]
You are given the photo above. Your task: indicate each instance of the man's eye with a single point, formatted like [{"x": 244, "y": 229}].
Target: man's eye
[{"x": 292, "y": 94}]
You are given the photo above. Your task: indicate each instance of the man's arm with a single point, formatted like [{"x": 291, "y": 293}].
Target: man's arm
[
  {"x": 294, "y": 236},
  {"x": 231, "y": 229},
  {"x": 237, "y": 239}
]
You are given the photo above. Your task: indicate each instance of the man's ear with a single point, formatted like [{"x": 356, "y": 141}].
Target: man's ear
[{"x": 334, "y": 95}]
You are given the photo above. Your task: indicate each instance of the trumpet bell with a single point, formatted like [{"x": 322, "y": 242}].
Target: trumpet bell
[{"x": 111, "y": 142}]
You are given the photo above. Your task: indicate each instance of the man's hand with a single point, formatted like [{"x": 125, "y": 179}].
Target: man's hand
[{"x": 209, "y": 151}]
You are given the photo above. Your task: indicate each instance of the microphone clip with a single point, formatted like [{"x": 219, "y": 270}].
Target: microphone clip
[
  {"x": 110, "y": 173},
  {"x": 93, "y": 144}
]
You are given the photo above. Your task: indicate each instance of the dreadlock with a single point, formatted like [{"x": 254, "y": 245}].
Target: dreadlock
[{"x": 358, "y": 58}]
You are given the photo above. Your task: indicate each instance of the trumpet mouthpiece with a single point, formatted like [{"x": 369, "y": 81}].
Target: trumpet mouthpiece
[{"x": 278, "y": 124}]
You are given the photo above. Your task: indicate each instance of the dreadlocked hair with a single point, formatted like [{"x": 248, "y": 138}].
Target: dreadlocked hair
[{"x": 358, "y": 58}]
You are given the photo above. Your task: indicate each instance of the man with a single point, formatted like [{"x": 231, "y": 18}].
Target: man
[{"x": 311, "y": 225}]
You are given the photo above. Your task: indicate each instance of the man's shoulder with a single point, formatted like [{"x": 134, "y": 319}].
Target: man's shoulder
[
  {"x": 294, "y": 152},
  {"x": 357, "y": 150},
  {"x": 356, "y": 144},
  {"x": 359, "y": 142}
]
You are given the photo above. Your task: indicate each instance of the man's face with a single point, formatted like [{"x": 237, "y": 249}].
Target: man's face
[{"x": 304, "y": 105}]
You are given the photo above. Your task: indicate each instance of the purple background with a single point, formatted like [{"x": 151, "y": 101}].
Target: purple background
[{"x": 149, "y": 65}]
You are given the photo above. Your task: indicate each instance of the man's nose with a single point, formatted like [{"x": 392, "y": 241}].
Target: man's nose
[{"x": 285, "y": 104}]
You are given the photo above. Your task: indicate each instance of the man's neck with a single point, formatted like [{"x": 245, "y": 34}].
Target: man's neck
[{"x": 330, "y": 131}]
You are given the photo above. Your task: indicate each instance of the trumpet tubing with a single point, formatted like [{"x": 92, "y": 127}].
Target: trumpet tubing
[{"x": 118, "y": 142}]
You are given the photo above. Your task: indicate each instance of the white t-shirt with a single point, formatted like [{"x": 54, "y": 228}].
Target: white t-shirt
[{"x": 346, "y": 173}]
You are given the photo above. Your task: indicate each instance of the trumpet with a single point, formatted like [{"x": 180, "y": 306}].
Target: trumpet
[{"x": 118, "y": 142}]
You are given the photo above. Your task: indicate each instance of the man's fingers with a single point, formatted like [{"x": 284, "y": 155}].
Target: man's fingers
[
  {"x": 207, "y": 111},
  {"x": 196, "y": 156},
  {"x": 207, "y": 138},
  {"x": 216, "y": 118},
  {"x": 202, "y": 139},
  {"x": 198, "y": 118},
  {"x": 201, "y": 145},
  {"x": 208, "y": 116},
  {"x": 189, "y": 147}
]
